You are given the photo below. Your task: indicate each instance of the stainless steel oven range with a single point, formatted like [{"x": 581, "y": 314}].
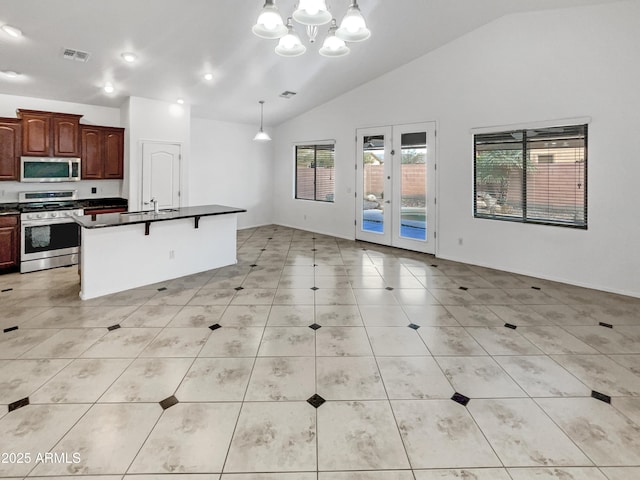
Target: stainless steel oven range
[{"x": 50, "y": 237}]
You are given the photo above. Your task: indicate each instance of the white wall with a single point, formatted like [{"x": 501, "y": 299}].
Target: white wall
[
  {"x": 520, "y": 68},
  {"x": 228, "y": 168},
  {"x": 92, "y": 115},
  {"x": 153, "y": 120}
]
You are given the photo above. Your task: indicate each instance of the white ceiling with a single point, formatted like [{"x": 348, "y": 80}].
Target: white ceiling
[{"x": 179, "y": 40}]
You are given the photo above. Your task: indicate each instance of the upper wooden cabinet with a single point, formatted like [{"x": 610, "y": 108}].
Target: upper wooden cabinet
[
  {"x": 102, "y": 152},
  {"x": 49, "y": 134},
  {"x": 10, "y": 138}
]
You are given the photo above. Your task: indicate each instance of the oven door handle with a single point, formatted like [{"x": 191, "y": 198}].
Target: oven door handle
[{"x": 44, "y": 223}]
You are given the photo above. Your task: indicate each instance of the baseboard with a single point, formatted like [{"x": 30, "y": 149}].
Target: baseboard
[
  {"x": 546, "y": 277},
  {"x": 319, "y": 232}
]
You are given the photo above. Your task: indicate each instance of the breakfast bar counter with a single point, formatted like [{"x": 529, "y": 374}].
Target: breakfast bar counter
[{"x": 121, "y": 251}]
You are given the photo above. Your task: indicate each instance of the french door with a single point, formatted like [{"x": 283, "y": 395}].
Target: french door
[{"x": 395, "y": 192}]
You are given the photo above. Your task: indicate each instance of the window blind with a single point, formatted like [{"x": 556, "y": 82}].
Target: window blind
[
  {"x": 315, "y": 172},
  {"x": 535, "y": 175}
]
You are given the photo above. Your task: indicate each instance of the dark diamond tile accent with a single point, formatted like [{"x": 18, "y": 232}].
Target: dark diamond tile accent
[
  {"x": 270, "y": 238},
  {"x": 23, "y": 402},
  {"x": 315, "y": 264},
  {"x": 237, "y": 289},
  {"x": 314, "y": 249},
  {"x": 7, "y": 290},
  {"x": 168, "y": 402},
  {"x": 461, "y": 399},
  {"x": 434, "y": 266},
  {"x": 414, "y": 326},
  {"x": 314, "y": 288},
  {"x": 601, "y": 396},
  {"x": 608, "y": 325},
  {"x": 253, "y": 265},
  {"x": 316, "y": 400},
  {"x": 10, "y": 329},
  {"x": 536, "y": 288},
  {"x": 364, "y": 249},
  {"x": 313, "y": 238},
  {"x": 389, "y": 288},
  {"x": 463, "y": 288},
  {"x": 162, "y": 289},
  {"x": 263, "y": 250},
  {"x": 511, "y": 326},
  {"x": 315, "y": 326},
  {"x": 215, "y": 326},
  {"x": 114, "y": 327}
]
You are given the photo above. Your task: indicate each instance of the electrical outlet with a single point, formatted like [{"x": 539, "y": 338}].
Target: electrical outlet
[
  {"x": 172, "y": 254},
  {"x": 94, "y": 190},
  {"x": 460, "y": 241},
  {"x": 305, "y": 217}
]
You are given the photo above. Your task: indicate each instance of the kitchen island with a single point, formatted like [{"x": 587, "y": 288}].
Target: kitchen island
[{"x": 120, "y": 251}]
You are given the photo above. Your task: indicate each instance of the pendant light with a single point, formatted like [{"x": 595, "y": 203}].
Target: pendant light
[
  {"x": 269, "y": 24},
  {"x": 262, "y": 136},
  {"x": 353, "y": 28},
  {"x": 333, "y": 46},
  {"x": 290, "y": 45}
]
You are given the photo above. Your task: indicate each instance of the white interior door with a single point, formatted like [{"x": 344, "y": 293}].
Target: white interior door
[
  {"x": 161, "y": 174},
  {"x": 397, "y": 186}
]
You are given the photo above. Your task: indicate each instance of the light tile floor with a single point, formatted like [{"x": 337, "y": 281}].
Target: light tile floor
[{"x": 395, "y": 336}]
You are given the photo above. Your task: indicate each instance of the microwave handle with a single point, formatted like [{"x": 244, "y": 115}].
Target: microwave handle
[{"x": 70, "y": 169}]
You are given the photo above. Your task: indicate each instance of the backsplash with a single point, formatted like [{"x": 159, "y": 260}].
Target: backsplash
[{"x": 104, "y": 188}]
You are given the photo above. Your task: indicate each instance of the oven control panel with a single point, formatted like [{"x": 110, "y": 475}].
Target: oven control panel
[{"x": 51, "y": 215}]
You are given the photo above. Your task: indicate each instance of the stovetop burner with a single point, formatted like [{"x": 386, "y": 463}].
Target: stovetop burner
[{"x": 48, "y": 206}]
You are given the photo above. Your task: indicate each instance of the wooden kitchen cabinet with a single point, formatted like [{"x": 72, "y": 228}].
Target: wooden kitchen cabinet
[
  {"x": 10, "y": 148},
  {"x": 9, "y": 241},
  {"x": 50, "y": 134},
  {"x": 102, "y": 152}
]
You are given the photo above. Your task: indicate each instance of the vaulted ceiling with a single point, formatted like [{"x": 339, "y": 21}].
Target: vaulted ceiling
[{"x": 178, "y": 41}]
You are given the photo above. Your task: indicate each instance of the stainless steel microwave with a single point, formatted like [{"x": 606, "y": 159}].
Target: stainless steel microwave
[{"x": 49, "y": 169}]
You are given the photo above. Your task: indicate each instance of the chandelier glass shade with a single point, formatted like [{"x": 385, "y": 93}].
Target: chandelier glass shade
[{"x": 311, "y": 14}]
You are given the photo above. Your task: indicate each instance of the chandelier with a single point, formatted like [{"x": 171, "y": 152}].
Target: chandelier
[{"x": 311, "y": 14}]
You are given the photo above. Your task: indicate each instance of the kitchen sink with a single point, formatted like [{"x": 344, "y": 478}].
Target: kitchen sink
[{"x": 151, "y": 212}]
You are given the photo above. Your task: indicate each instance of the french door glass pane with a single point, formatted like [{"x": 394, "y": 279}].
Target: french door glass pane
[
  {"x": 413, "y": 187},
  {"x": 373, "y": 177}
]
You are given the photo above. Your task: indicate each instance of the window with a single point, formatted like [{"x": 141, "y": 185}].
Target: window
[
  {"x": 315, "y": 172},
  {"x": 532, "y": 176}
]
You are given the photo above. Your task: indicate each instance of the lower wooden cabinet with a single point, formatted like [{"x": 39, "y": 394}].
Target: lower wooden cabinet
[
  {"x": 100, "y": 211},
  {"x": 9, "y": 241}
]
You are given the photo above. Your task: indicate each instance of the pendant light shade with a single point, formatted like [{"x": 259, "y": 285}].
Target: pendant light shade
[
  {"x": 290, "y": 45},
  {"x": 262, "y": 136},
  {"x": 269, "y": 24},
  {"x": 312, "y": 12},
  {"x": 353, "y": 28},
  {"x": 333, "y": 46}
]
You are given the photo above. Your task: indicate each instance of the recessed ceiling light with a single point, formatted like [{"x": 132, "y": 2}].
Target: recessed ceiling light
[
  {"x": 208, "y": 76},
  {"x": 10, "y": 73},
  {"x": 180, "y": 101},
  {"x": 13, "y": 31},
  {"x": 129, "y": 57},
  {"x": 109, "y": 88}
]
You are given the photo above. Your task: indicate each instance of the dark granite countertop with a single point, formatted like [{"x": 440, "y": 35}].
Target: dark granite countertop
[
  {"x": 9, "y": 209},
  {"x": 132, "y": 218},
  {"x": 16, "y": 208}
]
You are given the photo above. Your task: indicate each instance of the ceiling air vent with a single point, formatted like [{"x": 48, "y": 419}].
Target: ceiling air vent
[
  {"x": 77, "y": 55},
  {"x": 287, "y": 94}
]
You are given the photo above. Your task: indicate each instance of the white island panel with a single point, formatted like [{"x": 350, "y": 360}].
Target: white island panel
[{"x": 114, "y": 259}]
